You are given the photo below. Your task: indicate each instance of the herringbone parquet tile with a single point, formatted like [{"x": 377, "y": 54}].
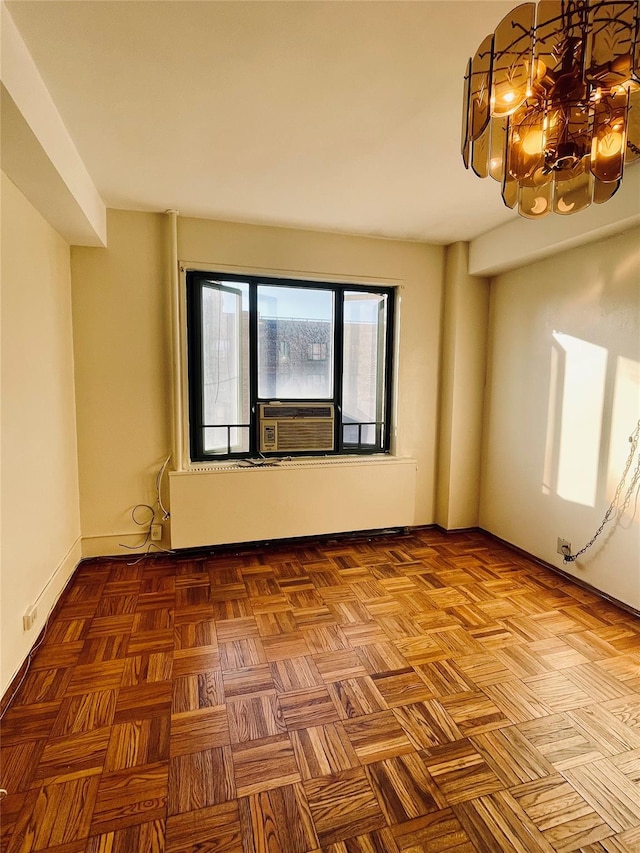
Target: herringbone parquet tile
[{"x": 397, "y": 694}]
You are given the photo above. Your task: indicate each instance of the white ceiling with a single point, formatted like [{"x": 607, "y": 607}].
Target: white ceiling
[{"x": 338, "y": 116}]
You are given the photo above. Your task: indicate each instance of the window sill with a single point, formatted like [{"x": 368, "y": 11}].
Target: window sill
[{"x": 309, "y": 462}]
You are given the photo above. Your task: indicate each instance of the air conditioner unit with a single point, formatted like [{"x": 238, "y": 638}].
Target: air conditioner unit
[{"x": 295, "y": 427}]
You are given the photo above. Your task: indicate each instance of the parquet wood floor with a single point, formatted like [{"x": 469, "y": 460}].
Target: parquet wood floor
[{"x": 400, "y": 694}]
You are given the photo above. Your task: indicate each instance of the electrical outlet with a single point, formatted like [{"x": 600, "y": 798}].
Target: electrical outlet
[
  {"x": 156, "y": 532},
  {"x": 29, "y": 617},
  {"x": 564, "y": 547}
]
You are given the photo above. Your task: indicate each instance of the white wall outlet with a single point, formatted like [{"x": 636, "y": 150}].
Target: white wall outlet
[
  {"x": 564, "y": 547},
  {"x": 156, "y": 532},
  {"x": 29, "y": 617}
]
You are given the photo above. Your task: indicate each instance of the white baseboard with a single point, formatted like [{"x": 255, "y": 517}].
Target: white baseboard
[
  {"x": 111, "y": 544},
  {"x": 44, "y": 602}
]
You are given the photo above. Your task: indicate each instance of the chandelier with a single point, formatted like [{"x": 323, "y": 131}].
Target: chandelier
[{"x": 552, "y": 104}]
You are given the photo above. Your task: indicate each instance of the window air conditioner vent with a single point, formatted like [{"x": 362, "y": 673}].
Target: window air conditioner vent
[
  {"x": 295, "y": 427},
  {"x": 287, "y": 410}
]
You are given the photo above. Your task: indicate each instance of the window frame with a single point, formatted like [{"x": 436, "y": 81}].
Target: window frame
[{"x": 195, "y": 280}]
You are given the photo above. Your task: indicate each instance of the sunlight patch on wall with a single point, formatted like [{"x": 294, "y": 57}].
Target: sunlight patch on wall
[
  {"x": 584, "y": 367},
  {"x": 553, "y": 422}
]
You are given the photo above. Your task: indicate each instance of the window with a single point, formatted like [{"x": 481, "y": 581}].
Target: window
[
  {"x": 280, "y": 367},
  {"x": 317, "y": 352}
]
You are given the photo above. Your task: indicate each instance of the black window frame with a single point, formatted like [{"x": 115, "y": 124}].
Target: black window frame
[{"x": 196, "y": 279}]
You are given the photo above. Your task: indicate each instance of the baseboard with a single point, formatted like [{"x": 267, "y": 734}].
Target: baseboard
[
  {"x": 540, "y": 562},
  {"x": 248, "y": 547},
  {"x": 474, "y": 529},
  {"x": 566, "y": 575},
  {"x": 48, "y": 602},
  {"x": 113, "y": 544}
]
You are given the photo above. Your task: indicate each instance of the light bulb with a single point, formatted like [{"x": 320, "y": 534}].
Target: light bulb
[
  {"x": 533, "y": 142},
  {"x": 508, "y": 97}
]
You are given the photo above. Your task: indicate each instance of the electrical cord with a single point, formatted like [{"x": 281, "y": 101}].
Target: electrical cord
[
  {"x": 141, "y": 524},
  {"x": 165, "y": 512},
  {"x": 259, "y": 463},
  {"x": 262, "y": 461},
  {"x": 149, "y": 521},
  {"x": 615, "y": 510},
  {"x": 148, "y": 552}
]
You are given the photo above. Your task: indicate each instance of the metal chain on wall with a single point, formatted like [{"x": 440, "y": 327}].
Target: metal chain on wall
[{"x": 614, "y": 510}]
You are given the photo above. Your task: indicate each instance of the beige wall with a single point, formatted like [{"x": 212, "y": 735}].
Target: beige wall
[
  {"x": 563, "y": 397},
  {"x": 464, "y": 355},
  {"x": 123, "y": 356},
  {"x": 40, "y": 506},
  {"x": 123, "y": 353}
]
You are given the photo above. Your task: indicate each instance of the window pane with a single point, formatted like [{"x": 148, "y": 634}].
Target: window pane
[
  {"x": 363, "y": 371},
  {"x": 368, "y": 436},
  {"x": 350, "y": 433},
  {"x": 225, "y": 367},
  {"x": 295, "y": 340},
  {"x": 226, "y": 439}
]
